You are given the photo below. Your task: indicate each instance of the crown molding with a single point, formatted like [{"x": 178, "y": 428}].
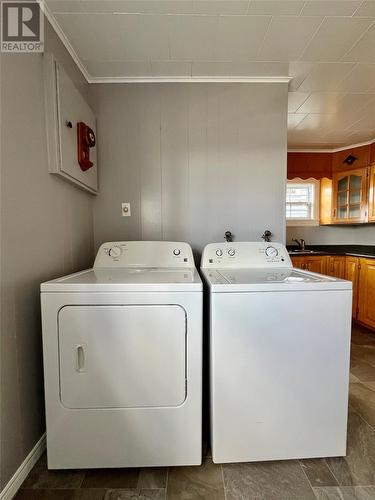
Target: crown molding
[
  {"x": 330, "y": 150},
  {"x": 192, "y": 79},
  {"x": 59, "y": 32}
]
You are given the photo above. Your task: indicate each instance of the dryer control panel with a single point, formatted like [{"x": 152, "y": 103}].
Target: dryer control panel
[
  {"x": 144, "y": 254},
  {"x": 245, "y": 255}
]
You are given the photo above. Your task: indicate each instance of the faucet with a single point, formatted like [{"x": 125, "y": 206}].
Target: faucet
[
  {"x": 267, "y": 235},
  {"x": 301, "y": 243},
  {"x": 228, "y": 236}
]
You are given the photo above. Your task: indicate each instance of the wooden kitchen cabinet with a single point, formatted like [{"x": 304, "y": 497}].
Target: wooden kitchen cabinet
[
  {"x": 298, "y": 262},
  {"x": 371, "y": 201},
  {"x": 314, "y": 263},
  {"x": 350, "y": 196},
  {"x": 352, "y": 274},
  {"x": 336, "y": 266},
  {"x": 366, "y": 294},
  {"x": 360, "y": 271}
]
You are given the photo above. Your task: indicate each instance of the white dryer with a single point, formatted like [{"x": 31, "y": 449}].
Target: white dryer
[
  {"x": 279, "y": 355},
  {"x": 122, "y": 346}
]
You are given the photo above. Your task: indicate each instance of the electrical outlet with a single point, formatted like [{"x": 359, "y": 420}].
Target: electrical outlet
[{"x": 125, "y": 209}]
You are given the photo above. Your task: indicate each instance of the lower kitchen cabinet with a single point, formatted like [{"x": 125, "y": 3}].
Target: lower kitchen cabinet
[
  {"x": 298, "y": 262},
  {"x": 336, "y": 266},
  {"x": 366, "y": 292},
  {"x": 352, "y": 274},
  {"x": 316, "y": 263},
  {"x": 358, "y": 270}
]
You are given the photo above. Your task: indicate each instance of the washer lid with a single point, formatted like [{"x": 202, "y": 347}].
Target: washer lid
[
  {"x": 125, "y": 280},
  {"x": 282, "y": 279}
]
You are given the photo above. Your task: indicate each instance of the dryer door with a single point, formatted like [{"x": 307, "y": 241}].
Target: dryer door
[{"x": 125, "y": 356}]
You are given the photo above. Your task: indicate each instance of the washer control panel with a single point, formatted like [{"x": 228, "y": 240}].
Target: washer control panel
[
  {"x": 144, "y": 254},
  {"x": 245, "y": 255}
]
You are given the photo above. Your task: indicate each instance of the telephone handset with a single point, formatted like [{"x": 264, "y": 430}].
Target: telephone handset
[{"x": 85, "y": 141}]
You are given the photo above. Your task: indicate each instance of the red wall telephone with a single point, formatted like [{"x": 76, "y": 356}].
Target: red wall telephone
[{"x": 85, "y": 141}]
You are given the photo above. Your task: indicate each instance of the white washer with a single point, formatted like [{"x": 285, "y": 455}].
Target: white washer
[
  {"x": 122, "y": 347},
  {"x": 279, "y": 355}
]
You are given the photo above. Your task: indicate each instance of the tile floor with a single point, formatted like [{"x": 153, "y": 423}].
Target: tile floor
[{"x": 349, "y": 478}]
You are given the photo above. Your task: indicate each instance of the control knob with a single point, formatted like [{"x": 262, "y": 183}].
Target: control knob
[
  {"x": 231, "y": 252},
  {"x": 176, "y": 251},
  {"x": 219, "y": 252},
  {"x": 271, "y": 252},
  {"x": 115, "y": 251}
]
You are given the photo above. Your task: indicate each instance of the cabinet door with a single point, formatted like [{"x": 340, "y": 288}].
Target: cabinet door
[
  {"x": 350, "y": 196},
  {"x": 299, "y": 262},
  {"x": 316, "y": 264},
  {"x": 351, "y": 274},
  {"x": 371, "y": 203},
  {"x": 336, "y": 266},
  {"x": 366, "y": 297}
]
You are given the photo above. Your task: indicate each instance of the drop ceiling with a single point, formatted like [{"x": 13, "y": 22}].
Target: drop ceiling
[{"x": 327, "y": 47}]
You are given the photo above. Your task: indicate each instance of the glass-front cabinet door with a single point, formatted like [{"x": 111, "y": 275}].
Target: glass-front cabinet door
[{"x": 350, "y": 196}]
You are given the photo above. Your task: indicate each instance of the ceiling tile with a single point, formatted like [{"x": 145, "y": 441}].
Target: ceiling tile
[
  {"x": 367, "y": 9},
  {"x": 364, "y": 49},
  {"x": 239, "y": 38},
  {"x": 218, "y": 68},
  {"x": 133, "y": 37},
  {"x": 192, "y": 38},
  {"x": 325, "y": 76},
  {"x": 317, "y": 121},
  {"x": 286, "y": 38},
  {"x": 170, "y": 68},
  {"x": 275, "y": 7},
  {"x": 321, "y": 102},
  {"x": 334, "y": 38},
  {"x": 330, "y": 7},
  {"x": 358, "y": 137},
  {"x": 295, "y": 100},
  {"x": 118, "y": 69},
  {"x": 222, "y": 7},
  {"x": 355, "y": 103},
  {"x": 294, "y": 119},
  {"x": 298, "y": 71},
  {"x": 124, "y": 6},
  {"x": 366, "y": 122},
  {"x": 360, "y": 79}
]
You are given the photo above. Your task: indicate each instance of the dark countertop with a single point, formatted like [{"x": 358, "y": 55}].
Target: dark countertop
[{"x": 365, "y": 251}]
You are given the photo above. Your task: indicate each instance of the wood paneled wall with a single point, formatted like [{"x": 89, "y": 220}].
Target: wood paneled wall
[
  {"x": 320, "y": 165},
  {"x": 305, "y": 165}
]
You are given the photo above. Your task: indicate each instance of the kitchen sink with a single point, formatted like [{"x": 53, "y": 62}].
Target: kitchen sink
[{"x": 302, "y": 252}]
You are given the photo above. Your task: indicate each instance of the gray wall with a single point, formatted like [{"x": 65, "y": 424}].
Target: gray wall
[
  {"x": 192, "y": 159},
  {"x": 46, "y": 231},
  {"x": 328, "y": 235}
]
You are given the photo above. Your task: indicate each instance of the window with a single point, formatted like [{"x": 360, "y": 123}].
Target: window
[{"x": 302, "y": 202}]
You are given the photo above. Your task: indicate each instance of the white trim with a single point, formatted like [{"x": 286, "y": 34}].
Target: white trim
[
  {"x": 23, "y": 470},
  {"x": 59, "y": 32},
  {"x": 334, "y": 150},
  {"x": 191, "y": 79}
]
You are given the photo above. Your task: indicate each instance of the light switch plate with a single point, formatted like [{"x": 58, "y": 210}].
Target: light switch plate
[{"x": 125, "y": 209}]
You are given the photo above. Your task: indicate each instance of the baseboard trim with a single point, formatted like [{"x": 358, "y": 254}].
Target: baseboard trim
[{"x": 23, "y": 470}]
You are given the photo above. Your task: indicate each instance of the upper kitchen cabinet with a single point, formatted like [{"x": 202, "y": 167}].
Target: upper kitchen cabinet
[
  {"x": 358, "y": 157},
  {"x": 347, "y": 182},
  {"x": 350, "y": 196}
]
